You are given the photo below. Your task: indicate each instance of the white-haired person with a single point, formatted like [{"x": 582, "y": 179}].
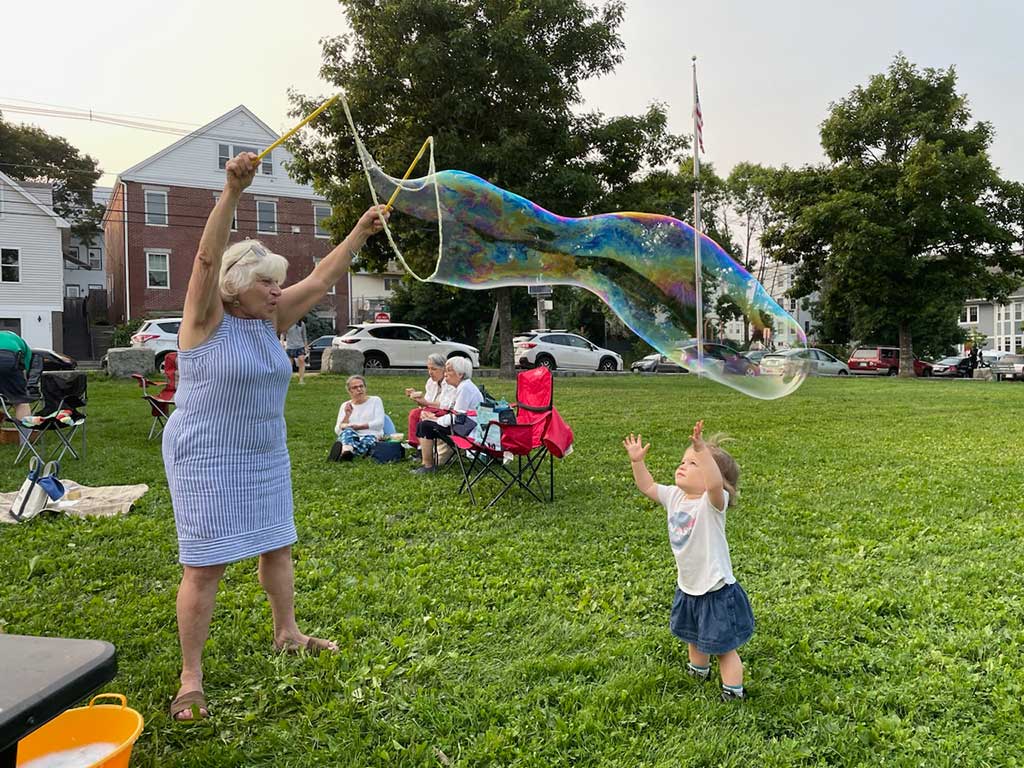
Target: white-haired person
[
  {"x": 429, "y": 398},
  {"x": 225, "y": 449},
  {"x": 458, "y": 373},
  {"x": 360, "y": 422}
]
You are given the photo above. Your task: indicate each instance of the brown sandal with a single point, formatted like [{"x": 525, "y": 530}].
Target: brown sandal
[
  {"x": 193, "y": 702},
  {"x": 314, "y": 646}
]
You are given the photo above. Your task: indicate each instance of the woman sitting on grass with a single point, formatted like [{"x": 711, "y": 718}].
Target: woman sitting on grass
[{"x": 360, "y": 422}]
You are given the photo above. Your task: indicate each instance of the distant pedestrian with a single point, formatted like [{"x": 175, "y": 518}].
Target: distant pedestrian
[
  {"x": 974, "y": 359},
  {"x": 296, "y": 344},
  {"x": 710, "y": 612}
]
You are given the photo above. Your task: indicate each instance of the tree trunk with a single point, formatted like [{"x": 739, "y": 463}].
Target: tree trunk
[
  {"x": 508, "y": 365},
  {"x": 906, "y": 351}
]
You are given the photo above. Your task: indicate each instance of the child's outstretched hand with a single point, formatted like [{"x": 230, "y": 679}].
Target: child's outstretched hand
[
  {"x": 635, "y": 448},
  {"x": 697, "y": 438}
]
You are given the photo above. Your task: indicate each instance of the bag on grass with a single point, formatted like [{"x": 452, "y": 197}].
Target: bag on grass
[{"x": 387, "y": 451}]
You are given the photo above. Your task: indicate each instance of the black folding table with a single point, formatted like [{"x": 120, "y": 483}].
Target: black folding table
[{"x": 40, "y": 677}]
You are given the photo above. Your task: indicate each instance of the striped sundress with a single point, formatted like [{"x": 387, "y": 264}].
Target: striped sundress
[{"x": 224, "y": 447}]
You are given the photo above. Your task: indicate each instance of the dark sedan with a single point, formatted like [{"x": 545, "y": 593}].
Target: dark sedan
[
  {"x": 316, "y": 352},
  {"x": 657, "y": 363},
  {"x": 957, "y": 366}
]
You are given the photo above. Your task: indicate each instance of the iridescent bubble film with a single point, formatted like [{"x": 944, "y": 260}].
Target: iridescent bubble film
[{"x": 640, "y": 264}]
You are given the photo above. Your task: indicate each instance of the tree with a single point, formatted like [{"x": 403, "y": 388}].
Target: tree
[
  {"x": 495, "y": 83},
  {"x": 28, "y": 153},
  {"x": 908, "y": 218}
]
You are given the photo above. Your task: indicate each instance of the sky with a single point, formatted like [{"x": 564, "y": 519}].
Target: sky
[{"x": 767, "y": 71}]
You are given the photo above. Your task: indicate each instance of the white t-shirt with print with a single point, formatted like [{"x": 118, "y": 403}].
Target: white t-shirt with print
[{"x": 696, "y": 533}]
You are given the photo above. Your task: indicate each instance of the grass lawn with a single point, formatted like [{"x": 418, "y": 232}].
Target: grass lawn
[{"x": 878, "y": 534}]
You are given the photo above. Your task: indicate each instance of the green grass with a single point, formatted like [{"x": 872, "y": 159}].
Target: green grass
[{"x": 878, "y": 534}]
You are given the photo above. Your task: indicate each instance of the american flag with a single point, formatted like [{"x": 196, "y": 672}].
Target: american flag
[{"x": 698, "y": 118}]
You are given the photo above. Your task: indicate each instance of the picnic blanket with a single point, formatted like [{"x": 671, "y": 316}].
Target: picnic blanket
[{"x": 84, "y": 501}]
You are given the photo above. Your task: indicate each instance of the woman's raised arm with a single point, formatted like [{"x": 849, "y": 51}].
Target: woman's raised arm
[{"x": 203, "y": 308}]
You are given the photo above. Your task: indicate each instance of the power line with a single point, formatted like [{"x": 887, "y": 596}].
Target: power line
[{"x": 91, "y": 111}]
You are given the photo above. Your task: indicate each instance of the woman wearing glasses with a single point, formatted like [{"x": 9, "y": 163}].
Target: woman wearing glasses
[
  {"x": 224, "y": 447},
  {"x": 360, "y": 422}
]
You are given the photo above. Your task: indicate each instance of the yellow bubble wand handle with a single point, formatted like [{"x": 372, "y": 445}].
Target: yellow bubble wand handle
[
  {"x": 291, "y": 133},
  {"x": 409, "y": 172}
]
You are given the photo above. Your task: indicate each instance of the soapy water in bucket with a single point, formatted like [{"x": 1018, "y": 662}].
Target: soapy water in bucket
[{"x": 78, "y": 757}]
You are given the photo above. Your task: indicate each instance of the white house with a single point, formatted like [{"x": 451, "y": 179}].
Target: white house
[
  {"x": 32, "y": 241},
  {"x": 85, "y": 267},
  {"x": 370, "y": 292}
]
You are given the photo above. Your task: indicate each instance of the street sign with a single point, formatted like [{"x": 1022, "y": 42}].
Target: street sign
[
  {"x": 382, "y": 317},
  {"x": 539, "y": 290}
]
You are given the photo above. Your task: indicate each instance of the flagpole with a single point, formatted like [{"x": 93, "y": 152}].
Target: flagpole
[{"x": 698, "y": 274}]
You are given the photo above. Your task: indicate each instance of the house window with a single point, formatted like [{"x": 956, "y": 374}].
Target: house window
[
  {"x": 234, "y": 213},
  {"x": 969, "y": 314},
  {"x": 73, "y": 253},
  {"x": 11, "y": 324},
  {"x": 72, "y": 291},
  {"x": 266, "y": 217},
  {"x": 96, "y": 258},
  {"x": 10, "y": 265},
  {"x": 1017, "y": 306},
  {"x": 331, "y": 292},
  {"x": 390, "y": 283},
  {"x": 227, "y": 151},
  {"x": 321, "y": 212},
  {"x": 158, "y": 270},
  {"x": 156, "y": 208}
]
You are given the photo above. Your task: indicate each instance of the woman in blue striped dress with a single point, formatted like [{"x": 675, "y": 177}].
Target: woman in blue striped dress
[{"x": 224, "y": 446}]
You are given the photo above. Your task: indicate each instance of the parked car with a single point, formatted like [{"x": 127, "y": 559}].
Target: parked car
[
  {"x": 160, "y": 335},
  {"x": 955, "y": 366},
  {"x": 722, "y": 357},
  {"x": 816, "y": 362},
  {"x": 55, "y": 361},
  {"x": 657, "y": 363},
  {"x": 883, "y": 361},
  {"x": 559, "y": 349},
  {"x": 1008, "y": 367},
  {"x": 400, "y": 344},
  {"x": 756, "y": 355},
  {"x": 986, "y": 357}
]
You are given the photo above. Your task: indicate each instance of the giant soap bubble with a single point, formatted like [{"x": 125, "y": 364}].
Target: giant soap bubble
[{"x": 640, "y": 264}]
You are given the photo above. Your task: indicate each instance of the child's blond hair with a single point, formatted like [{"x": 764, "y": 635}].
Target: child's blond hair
[{"x": 726, "y": 464}]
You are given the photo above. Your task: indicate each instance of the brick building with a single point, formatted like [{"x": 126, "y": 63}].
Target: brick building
[{"x": 158, "y": 208}]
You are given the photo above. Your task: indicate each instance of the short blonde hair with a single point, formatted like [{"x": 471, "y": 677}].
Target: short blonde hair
[{"x": 246, "y": 262}]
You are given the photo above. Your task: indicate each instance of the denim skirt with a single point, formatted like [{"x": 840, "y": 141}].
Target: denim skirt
[{"x": 716, "y": 622}]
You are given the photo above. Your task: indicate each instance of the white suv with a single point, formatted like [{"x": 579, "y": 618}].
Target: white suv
[
  {"x": 558, "y": 349},
  {"x": 399, "y": 344},
  {"x": 160, "y": 335}
]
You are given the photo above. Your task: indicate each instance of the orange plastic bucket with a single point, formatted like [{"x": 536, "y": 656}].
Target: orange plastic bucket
[{"x": 76, "y": 728}]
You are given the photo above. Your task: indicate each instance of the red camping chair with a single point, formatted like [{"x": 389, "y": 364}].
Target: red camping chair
[
  {"x": 538, "y": 434},
  {"x": 161, "y": 403}
]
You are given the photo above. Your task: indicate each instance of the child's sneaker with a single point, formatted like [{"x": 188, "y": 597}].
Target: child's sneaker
[
  {"x": 733, "y": 693},
  {"x": 699, "y": 673}
]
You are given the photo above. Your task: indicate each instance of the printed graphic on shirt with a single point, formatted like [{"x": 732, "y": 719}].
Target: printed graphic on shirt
[{"x": 680, "y": 526}]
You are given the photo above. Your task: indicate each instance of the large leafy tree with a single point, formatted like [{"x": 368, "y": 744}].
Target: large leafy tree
[
  {"x": 28, "y": 153},
  {"x": 495, "y": 82},
  {"x": 908, "y": 218}
]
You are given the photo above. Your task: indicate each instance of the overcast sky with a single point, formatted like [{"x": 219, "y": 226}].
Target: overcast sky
[{"x": 767, "y": 71}]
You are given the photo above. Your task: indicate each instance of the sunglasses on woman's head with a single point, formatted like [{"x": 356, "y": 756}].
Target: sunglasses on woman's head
[{"x": 254, "y": 248}]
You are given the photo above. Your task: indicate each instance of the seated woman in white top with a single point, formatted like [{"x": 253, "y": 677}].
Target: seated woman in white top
[
  {"x": 430, "y": 398},
  {"x": 360, "y": 422},
  {"x": 458, "y": 373}
]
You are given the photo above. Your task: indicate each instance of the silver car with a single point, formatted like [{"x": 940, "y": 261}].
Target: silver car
[
  {"x": 817, "y": 362},
  {"x": 1008, "y": 367}
]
